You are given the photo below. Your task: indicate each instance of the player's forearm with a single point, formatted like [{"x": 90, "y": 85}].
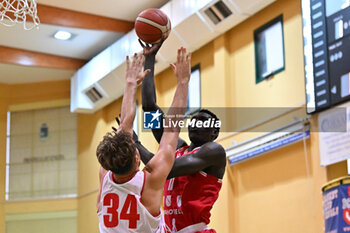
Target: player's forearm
[
  {"x": 182, "y": 169},
  {"x": 128, "y": 110},
  {"x": 179, "y": 103},
  {"x": 175, "y": 114},
  {"x": 164, "y": 158},
  {"x": 187, "y": 165},
  {"x": 144, "y": 153},
  {"x": 149, "y": 98}
]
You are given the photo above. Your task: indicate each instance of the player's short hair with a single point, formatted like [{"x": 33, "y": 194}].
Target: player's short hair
[
  {"x": 211, "y": 114},
  {"x": 116, "y": 152}
]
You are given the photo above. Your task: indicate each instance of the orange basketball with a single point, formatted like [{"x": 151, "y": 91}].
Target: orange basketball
[{"x": 152, "y": 25}]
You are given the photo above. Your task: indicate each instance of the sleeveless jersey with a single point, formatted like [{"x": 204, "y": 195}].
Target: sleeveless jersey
[
  {"x": 121, "y": 209},
  {"x": 189, "y": 199}
]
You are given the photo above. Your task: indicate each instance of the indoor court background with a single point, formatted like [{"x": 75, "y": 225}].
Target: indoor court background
[{"x": 277, "y": 192}]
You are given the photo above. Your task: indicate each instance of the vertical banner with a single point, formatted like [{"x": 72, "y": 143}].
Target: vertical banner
[
  {"x": 334, "y": 134},
  {"x": 336, "y": 209}
]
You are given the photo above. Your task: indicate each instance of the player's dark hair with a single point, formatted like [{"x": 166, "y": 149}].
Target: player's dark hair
[
  {"x": 211, "y": 114},
  {"x": 116, "y": 152}
]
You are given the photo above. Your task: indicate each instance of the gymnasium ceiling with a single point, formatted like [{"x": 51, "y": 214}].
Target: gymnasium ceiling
[{"x": 35, "y": 56}]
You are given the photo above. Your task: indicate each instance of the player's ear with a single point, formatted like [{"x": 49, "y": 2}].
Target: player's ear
[
  {"x": 137, "y": 158},
  {"x": 214, "y": 134}
]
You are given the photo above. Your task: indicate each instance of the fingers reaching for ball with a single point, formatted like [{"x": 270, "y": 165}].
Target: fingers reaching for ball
[
  {"x": 150, "y": 49},
  {"x": 134, "y": 69},
  {"x": 182, "y": 68}
]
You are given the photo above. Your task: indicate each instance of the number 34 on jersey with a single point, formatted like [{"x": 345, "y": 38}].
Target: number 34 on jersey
[{"x": 128, "y": 212}]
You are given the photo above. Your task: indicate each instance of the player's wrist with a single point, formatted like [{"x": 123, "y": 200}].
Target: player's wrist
[
  {"x": 183, "y": 80},
  {"x": 150, "y": 57},
  {"x": 131, "y": 81}
]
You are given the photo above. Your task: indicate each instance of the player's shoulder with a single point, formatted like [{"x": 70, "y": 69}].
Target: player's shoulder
[
  {"x": 211, "y": 150},
  {"x": 215, "y": 147},
  {"x": 215, "y": 154}
]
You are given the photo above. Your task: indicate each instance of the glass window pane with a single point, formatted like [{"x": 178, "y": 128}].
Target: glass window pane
[{"x": 269, "y": 49}]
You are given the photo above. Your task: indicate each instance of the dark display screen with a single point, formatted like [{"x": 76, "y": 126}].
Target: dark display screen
[{"x": 327, "y": 52}]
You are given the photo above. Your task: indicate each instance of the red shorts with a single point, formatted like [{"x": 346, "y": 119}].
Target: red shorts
[{"x": 206, "y": 231}]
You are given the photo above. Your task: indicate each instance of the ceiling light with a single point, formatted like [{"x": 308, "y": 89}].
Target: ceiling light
[{"x": 62, "y": 35}]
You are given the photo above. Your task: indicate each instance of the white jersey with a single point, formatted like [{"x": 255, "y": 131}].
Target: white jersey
[{"x": 121, "y": 209}]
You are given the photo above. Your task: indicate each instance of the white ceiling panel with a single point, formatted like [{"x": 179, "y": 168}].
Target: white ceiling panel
[
  {"x": 85, "y": 44},
  {"x": 15, "y": 74}
]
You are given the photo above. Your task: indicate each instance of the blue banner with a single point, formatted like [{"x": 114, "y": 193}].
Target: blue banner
[
  {"x": 270, "y": 147},
  {"x": 336, "y": 209}
]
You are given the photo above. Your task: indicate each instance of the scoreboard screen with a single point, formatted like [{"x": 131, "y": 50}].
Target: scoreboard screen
[{"x": 326, "y": 32}]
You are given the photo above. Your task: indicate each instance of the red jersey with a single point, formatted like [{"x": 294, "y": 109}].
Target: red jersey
[{"x": 189, "y": 199}]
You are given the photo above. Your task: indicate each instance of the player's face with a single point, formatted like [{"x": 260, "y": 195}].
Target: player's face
[{"x": 201, "y": 135}]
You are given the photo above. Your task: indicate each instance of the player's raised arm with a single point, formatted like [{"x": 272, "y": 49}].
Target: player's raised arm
[
  {"x": 148, "y": 88},
  {"x": 134, "y": 76},
  {"x": 211, "y": 157},
  {"x": 160, "y": 165},
  {"x": 164, "y": 158},
  {"x": 149, "y": 99}
]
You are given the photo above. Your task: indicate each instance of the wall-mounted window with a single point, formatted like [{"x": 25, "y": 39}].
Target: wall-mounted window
[
  {"x": 194, "y": 91},
  {"x": 269, "y": 49},
  {"x": 41, "y": 154}
]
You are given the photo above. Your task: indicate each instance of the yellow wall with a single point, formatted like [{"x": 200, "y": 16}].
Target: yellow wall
[
  {"x": 39, "y": 92},
  {"x": 91, "y": 129}
]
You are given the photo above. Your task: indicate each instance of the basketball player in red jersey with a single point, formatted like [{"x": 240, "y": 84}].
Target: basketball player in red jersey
[
  {"x": 194, "y": 182},
  {"x": 129, "y": 199}
]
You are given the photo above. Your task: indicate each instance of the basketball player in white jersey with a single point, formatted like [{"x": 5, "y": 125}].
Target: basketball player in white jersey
[{"x": 129, "y": 199}]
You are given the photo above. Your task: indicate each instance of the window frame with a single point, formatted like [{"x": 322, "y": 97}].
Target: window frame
[
  {"x": 257, "y": 32},
  {"x": 192, "y": 110}
]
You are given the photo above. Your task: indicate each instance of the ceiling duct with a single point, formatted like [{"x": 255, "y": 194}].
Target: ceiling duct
[
  {"x": 93, "y": 94},
  {"x": 218, "y": 12},
  {"x": 194, "y": 23}
]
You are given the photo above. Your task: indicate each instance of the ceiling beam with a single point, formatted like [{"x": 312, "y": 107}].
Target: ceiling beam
[
  {"x": 69, "y": 18},
  {"x": 28, "y": 58}
]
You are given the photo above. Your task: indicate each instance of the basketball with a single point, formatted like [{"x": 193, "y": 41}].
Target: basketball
[{"x": 152, "y": 25}]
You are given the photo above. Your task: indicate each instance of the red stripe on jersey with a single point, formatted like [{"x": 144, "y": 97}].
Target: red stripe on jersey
[
  {"x": 144, "y": 181},
  {"x": 99, "y": 192}
]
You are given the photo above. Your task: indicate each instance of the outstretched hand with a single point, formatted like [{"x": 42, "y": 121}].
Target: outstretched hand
[
  {"x": 150, "y": 49},
  {"x": 134, "y": 136},
  {"x": 182, "y": 69},
  {"x": 134, "y": 69}
]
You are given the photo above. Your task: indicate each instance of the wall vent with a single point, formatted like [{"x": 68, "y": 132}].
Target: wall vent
[
  {"x": 218, "y": 12},
  {"x": 93, "y": 94}
]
